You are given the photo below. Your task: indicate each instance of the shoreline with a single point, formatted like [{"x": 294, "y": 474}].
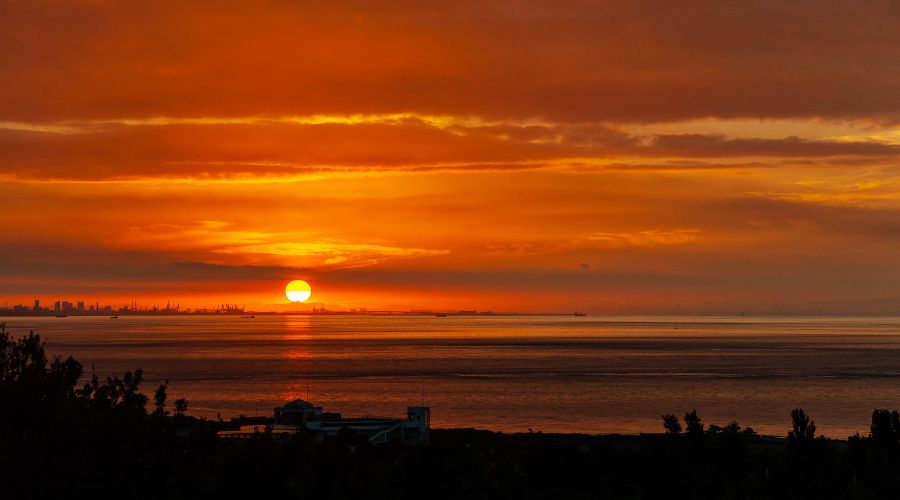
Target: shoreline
[{"x": 244, "y": 421}]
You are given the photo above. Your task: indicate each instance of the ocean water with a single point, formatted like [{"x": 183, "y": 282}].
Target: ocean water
[{"x": 547, "y": 373}]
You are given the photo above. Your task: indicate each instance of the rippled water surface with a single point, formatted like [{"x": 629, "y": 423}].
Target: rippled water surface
[{"x": 550, "y": 373}]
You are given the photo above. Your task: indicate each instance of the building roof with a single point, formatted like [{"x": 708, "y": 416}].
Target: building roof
[{"x": 299, "y": 404}]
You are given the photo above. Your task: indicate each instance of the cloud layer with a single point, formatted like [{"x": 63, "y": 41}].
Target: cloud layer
[{"x": 572, "y": 61}]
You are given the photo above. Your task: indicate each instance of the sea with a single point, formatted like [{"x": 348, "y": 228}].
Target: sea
[{"x": 592, "y": 374}]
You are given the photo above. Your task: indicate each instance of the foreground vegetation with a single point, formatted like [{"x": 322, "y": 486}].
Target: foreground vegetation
[{"x": 107, "y": 439}]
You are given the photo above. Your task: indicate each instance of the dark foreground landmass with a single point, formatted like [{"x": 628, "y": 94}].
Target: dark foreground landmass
[{"x": 107, "y": 439}]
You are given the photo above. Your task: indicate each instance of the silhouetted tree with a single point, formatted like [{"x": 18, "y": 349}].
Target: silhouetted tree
[
  {"x": 181, "y": 406},
  {"x": 693, "y": 425},
  {"x": 33, "y": 389},
  {"x": 116, "y": 396},
  {"x": 811, "y": 464},
  {"x": 74, "y": 433},
  {"x": 885, "y": 429},
  {"x": 671, "y": 424},
  {"x": 802, "y": 427},
  {"x": 732, "y": 429},
  {"x": 159, "y": 400}
]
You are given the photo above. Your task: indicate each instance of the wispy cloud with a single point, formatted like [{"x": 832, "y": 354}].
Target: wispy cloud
[
  {"x": 457, "y": 124},
  {"x": 647, "y": 237},
  {"x": 222, "y": 242},
  {"x": 299, "y": 147}
]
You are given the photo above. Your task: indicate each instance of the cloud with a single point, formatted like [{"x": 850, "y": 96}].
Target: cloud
[
  {"x": 579, "y": 61},
  {"x": 870, "y": 194},
  {"x": 204, "y": 235},
  {"x": 698, "y": 145},
  {"x": 309, "y": 147},
  {"x": 221, "y": 242},
  {"x": 327, "y": 253},
  {"x": 647, "y": 238},
  {"x": 519, "y": 248}
]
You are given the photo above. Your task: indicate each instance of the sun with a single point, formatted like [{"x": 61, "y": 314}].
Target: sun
[{"x": 298, "y": 291}]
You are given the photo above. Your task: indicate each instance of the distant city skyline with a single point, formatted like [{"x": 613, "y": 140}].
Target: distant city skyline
[{"x": 885, "y": 307}]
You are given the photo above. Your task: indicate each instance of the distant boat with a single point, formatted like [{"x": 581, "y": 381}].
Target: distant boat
[
  {"x": 249, "y": 317},
  {"x": 62, "y": 315},
  {"x": 580, "y": 314},
  {"x": 114, "y": 316},
  {"x": 440, "y": 315}
]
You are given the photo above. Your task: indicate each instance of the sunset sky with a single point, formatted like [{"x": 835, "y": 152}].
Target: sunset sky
[{"x": 507, "y": 156}]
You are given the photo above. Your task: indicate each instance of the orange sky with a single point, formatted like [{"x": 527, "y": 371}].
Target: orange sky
[{"x": 527, "y": 156}]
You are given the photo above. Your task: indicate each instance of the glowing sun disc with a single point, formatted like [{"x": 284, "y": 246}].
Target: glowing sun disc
[{"x": 298, "y": 291}]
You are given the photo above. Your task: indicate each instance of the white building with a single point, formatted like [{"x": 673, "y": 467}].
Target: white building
[
  {"x": 299, "y": 415},
  {"x": 414, "y": 429}
]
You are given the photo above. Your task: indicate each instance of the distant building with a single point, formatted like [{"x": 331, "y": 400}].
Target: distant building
[
  {"x": 37, "y": 305},
  {"x": 301, "y": 415},
  {"x": 57, "y": 306},
  {"x": 81, "y": 305}
]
